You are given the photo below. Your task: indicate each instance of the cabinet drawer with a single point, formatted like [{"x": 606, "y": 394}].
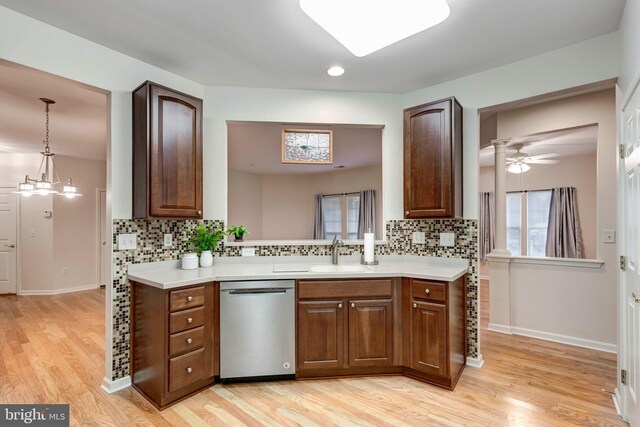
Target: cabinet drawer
[
  {"x": 422, "y": 289},
  {"x": 186, "y": 341},
  {"x": 186, "y": 298},
  {"x": 344, "y": 288},
  {"x": 187, "y": 319},
  {"x": 186, "y": 369}
]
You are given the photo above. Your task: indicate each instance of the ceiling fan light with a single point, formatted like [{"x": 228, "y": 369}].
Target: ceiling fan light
[{"x": 518, "y": 168}]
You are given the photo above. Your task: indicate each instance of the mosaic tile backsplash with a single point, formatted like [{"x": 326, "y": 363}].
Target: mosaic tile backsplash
[{"x": 150, "y": 234}]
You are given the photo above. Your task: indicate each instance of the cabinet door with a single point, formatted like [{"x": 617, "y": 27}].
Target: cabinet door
[
  {"x": 370, "y": 333},
  {"x": 320, "y": 334},
  {"x": 429, "y": 337},
  {"x": 175, "y": 163},
  {"x": 428, "y": 180}
]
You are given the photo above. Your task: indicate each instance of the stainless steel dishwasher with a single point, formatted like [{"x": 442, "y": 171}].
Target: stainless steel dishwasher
[{"x": 257, "y": 330}]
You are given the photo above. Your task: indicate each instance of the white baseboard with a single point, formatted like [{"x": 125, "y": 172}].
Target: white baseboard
[
  {"x": 475, "y": 362},
  {"x": 565, "y": 339},
  {"x": 57, "y": 291},
  {"x": 112, "y": 386},
  {"x": 503, "y": 329},
  {"x": 617, "y": 402}
]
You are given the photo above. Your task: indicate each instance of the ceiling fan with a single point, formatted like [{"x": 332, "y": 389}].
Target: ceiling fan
[{"x": 520, "y": 161}]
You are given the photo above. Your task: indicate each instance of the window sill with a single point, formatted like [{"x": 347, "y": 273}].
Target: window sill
[{"x": 562, "y": 262}]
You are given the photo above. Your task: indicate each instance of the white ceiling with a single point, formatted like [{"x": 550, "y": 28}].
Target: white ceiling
[
  {"x": 566, "y": 142},
  {"x": 77, "y": 121},
  {"x": 258, "y": 43},
  {"x": 256, "y": 147}
]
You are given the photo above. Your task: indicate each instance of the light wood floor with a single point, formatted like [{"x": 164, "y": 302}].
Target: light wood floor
[{"x": 52, "y": 352}]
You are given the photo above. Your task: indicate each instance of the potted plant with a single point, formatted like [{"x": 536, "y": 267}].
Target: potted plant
[
  {"x": 204, "y": 239},
  {"x": 238, "y": 232}
]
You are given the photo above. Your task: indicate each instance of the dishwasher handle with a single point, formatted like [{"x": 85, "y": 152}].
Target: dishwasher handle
[{"x": 281, "y": 291}]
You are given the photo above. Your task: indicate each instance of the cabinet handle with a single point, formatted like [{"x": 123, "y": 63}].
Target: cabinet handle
[
  {"x": 635, "y": 297},
  {"x": 189, "y": 370},
  {"x": 189, "y": 319},
  {"x": 189, "y": 298},
  {"x": 189, "y": 340},
  {"x": 426, "y": 291},
  {"x": 339, "y": 305},
  {"x": 353, "y": 305},
  {"x": 407, "y": 213},
  {"x": 415, "y": 305},
  {"x": 199, "y": 212}
]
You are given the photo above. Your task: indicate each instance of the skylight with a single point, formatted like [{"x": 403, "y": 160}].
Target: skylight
[{"x": 365, "y": 26}]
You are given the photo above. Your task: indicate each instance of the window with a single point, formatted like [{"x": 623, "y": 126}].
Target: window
[
  {"x": 535, "y": 214},
  {"x": 514, "y": 221},
  {"x": 538, "y": 203},
  {"x": 341, "y": 215}
]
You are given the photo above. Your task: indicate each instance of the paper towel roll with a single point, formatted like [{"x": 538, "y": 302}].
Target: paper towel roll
[{"x": 368, "y": 247}]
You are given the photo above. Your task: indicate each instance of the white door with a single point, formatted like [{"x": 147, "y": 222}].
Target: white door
[
  {"x": 630, "y": 249},
  {"x": 105, "y": 258},
  {"x": 8, "y": 241}
]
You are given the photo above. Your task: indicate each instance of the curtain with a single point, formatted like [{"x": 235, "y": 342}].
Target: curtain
[
  {"x": 318, "y": 219},
  {"x": 367, "y": 220},
  {"x": 564, "y": 236},
  {"x": 487, "y": 224}
]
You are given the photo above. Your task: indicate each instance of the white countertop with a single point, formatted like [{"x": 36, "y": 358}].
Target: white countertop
[{"x": 168, "y": 275}]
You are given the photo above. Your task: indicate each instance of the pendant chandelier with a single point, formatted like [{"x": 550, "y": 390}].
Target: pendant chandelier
[{"x": 47, "y": 177}]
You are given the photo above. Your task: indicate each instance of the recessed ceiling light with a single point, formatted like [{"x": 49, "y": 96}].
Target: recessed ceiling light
[
  {"x": 364, "y": 26},
  {"x": 335, "y": 71}
]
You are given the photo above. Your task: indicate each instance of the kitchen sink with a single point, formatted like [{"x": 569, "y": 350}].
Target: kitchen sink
[{"x": 331, "y": 268}]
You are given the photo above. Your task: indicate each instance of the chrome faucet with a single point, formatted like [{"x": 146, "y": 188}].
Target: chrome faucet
[{"x": 334, "y": 249}]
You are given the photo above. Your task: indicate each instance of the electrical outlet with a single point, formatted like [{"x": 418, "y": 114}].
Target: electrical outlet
[
  {"x": 168, "y": 240},
  {"x": 447, "y": 239},
  {"x": 248, "y": 252},
  {"x": 65, "y": 271},
  {"x": 127, "y": 241},
  {"x": 418, "y": 237},
  {"x": 609, "y": 236}
]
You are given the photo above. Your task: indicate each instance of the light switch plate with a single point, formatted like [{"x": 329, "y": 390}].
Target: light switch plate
[
  {"x": 609, "y": 236},
  {"x": 418, "y": 237},
  {"x": 248, "y": 252},
  {"x": 168, "y": 240},
  {"x": 127, "y": 241},
  {"x": 447, "y": 239}
]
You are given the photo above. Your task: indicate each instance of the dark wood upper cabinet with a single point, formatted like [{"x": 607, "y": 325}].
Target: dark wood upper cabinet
[
  {"x": 433, "y": 160},
  {"x": 167, "y": 153}
]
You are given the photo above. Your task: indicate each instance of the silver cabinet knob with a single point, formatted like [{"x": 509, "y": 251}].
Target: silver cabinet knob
[
  {"x": 635, "y": 297},
  {"x": 407, "y": 213},
  {"x": 339, "y": 305},
  {"x": 189, "y": 370},
  {"x": 189, "y": 340},
  {"x": 189, "y": 319},
  {"x": 189, "y": 298},
  {"x": 353, "y": 305},
  {"x": 415, "y": 305},
  {"x": 426, "y": 291},
  {"x": 199, "y": 212}
]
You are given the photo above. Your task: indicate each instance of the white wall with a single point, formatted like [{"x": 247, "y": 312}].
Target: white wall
[
  {"x": 245, "y": 202},
  {"x": 290, "y": 106},
  {"x": 590, "y": 61},
  {"x": 75, "y": 226},
  {"x": 630, "y": 40},
  {"x": 35, "y": 246}
]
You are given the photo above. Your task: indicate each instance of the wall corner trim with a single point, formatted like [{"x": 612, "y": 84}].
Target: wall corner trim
[
  {"x": 475, "y": 362},
  {"x": 111, "y": 387}
]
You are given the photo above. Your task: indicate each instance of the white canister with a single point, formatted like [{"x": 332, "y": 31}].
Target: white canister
[
  {"x": 206, "y": 259},
  {"x": 189, "y": 261}
]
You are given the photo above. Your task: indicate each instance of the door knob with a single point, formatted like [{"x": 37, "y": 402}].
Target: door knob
[
  {"x": 635, "y": 297},
  {"x": 189, "y": 340},
  {"x": 189, "y": 370},
  {"x": 189, "y": 298},
  {"x": 339, "y": 305},
  {"x": 426, "y": 291},
  {"x": 407, "y": 213},
  {"x": 353, "y": 305},
  {"x": 189, "y": 319},
  {"x": 415, "y": 305},
  {"x": 104, "y": 243},
  {"x": 11, "y": 245}
]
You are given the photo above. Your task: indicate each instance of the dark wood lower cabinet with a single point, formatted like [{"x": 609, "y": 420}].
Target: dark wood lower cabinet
[
  {"x": 405, "y": 326},
  {"x": 320, "y": 334}
]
